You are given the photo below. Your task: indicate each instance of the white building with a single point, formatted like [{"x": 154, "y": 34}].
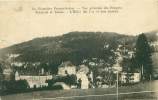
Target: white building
[
  {"x": 133, "y": 77},
  {"x": 154, "y": 45},
  {"x": 8, "y": 74},
  {"x": 84, "y": 80},
  {"x": 66, "y": 68},
  {"x": 82, "y": 74},
  {"x": 38, "y": 81}
]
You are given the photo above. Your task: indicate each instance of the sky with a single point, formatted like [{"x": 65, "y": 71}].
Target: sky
[{"x": 19, "y": 23}]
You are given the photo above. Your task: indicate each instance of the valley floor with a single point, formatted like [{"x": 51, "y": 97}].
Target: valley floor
[{"x": 141, "y": 91}]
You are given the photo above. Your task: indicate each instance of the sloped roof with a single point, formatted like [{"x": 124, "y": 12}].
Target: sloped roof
[
  {"x": 66, "y": 63},
  {"x": 84, "y": 69}
]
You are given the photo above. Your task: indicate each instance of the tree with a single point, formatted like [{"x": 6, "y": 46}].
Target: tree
[
  {"x": 126, "y": 64},
  {"x": 1, "y": 70},
  {"x": 143, "y": 57},
  {"x": 16, "y": 86}
]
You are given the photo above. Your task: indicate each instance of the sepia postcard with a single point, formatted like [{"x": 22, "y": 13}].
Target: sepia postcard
[{"x": 78, "y": 49}]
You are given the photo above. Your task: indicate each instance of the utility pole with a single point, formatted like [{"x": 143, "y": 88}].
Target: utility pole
[
  {"x": 142, "y": 72},
  {"x": 117, "y": 85}
]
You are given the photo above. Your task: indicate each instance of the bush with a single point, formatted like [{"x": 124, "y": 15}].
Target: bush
[
  {"x": 69, "y": 80},
  {"x": 16, "y": 85}
]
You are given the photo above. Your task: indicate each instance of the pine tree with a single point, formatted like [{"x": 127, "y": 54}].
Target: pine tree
[{"x": 143, "y": 57}]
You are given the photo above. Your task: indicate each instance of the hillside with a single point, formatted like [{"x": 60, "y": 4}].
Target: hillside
[{"x": 74, "y": 46}]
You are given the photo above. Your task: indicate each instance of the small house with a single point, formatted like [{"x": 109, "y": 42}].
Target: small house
[
  {"x": 82, "y": 75},
  {"x": 130, "y": 77},
  {"x": 66, "y": 68},
  {"x": 34, "y": 80}
]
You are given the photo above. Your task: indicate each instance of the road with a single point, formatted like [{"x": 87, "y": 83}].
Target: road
[{"x": 141, "y": 91}]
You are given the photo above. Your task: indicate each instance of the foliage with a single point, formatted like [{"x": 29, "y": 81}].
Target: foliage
[
  {"x": 1, "y": 70},
  {"x": 16, "y": 85},
  {"x": 143, "y": 56},
  {"x": 69, "y": 80}
]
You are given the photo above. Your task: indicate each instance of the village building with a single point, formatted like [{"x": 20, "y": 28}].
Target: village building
[
  {"x": 8, "y": 74},
  {"x": 6, "y": 70},
  {"x": 66, "y": 68},
  {"x": 63, "y": 85},
  {"x": 154, "y": 45},
  {"x": 82, "y": 74},
  {"x": 130, "y": 77},
  {"x": 34, "y": 80}
]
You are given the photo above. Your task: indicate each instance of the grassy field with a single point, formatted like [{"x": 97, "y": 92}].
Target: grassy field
[{"x": 149, "y": 91}]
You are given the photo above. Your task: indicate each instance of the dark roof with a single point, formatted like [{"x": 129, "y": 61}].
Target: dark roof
[{"x": 67, "y": 63}]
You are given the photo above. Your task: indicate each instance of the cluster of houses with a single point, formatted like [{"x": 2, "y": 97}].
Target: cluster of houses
[
  {"x": 64, "y": 69},
  {"x": 82, "y": 73}
]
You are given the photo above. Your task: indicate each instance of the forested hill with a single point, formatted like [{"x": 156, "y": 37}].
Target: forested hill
[{"x": 73, "y": 46}]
